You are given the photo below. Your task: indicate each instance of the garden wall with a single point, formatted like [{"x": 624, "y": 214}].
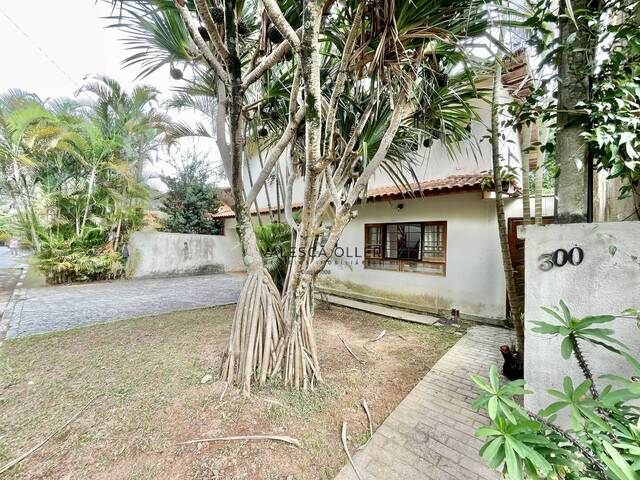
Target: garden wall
[
  {"x": 606, "y": 281},
  {"x": 159, "y": 254}
]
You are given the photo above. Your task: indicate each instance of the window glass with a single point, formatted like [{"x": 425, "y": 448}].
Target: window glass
[
  {"x": 407, "y": 247},
  {"x": 373, "y": 247},
  {"x": 409, "y": 241},
  {"x": 391, "y": 243},
  {"x": 433, "y": 244}
]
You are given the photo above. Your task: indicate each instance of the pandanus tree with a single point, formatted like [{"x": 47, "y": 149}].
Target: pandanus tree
[{"x": 334, "y": 91}]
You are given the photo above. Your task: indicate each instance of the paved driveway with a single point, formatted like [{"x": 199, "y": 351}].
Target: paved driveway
[
  {"x": 10, "y": 268},
  {"x": 40, "y": 310}
]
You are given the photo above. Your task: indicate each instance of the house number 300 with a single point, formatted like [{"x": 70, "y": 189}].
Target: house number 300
[{"x": 560, "y": 258}]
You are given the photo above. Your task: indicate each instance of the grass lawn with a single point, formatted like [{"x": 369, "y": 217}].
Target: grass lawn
[{"x": 148, "y": 374}]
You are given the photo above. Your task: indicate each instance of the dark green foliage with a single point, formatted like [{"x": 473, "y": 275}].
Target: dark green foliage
[
  {"x": 274, "y": 242},
  {"x": 80, "y": 259},
  {"x": 613, "y": 111},
  {"x": 191, "y": 200},
  {"x": 603, "y": 440}
]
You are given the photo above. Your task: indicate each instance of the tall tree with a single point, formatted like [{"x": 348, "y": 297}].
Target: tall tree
[
  {"x": 191, "y": 198},
  {"x": 351, "y": 97},
  {"x": 575, "y": 71},
  {"x": 515, "y": 303}
]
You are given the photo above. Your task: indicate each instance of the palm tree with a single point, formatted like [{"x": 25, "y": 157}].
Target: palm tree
[
  {"x": 26, "y": 129},
  {"x": 134, "y": 117}
]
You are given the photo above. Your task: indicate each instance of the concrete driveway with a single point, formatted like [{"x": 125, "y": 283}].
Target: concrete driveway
[{"x": 41, "y": 310}]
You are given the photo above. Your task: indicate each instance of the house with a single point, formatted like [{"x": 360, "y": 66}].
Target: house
[{"x": 432, "y": 247}]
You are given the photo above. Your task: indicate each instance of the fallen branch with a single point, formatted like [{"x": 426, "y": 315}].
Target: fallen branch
[
  {"x": 346, "y": 449},
  {"x": 351, "y": 351},
  {"x": 366, "y": 410},
  {"x": 380, "y": 335},
  {"x": 16, "y": 461},
  {"x": 226, "y": 385},
  {"x": 276, "y": 438}
]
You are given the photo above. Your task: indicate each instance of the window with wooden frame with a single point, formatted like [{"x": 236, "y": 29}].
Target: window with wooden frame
[{"x": 419, "y": 247}]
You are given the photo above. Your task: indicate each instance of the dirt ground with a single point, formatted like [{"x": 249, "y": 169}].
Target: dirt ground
[{"x": 147, "y": 373}]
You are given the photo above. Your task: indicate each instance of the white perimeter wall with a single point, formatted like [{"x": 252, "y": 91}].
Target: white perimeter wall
[
  {"x": 474, "y": 282},
  {"x": 154, "y": 254},
  {"x": 604, "y": 283}
]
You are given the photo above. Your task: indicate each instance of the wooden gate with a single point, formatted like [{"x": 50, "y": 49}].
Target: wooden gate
[{"x": 516, "y": 249}]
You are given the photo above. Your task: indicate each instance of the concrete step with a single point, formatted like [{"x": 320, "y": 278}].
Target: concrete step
[{"x": 381, "y": 310}]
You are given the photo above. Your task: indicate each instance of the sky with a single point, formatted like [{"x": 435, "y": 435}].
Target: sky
[{"x": 50, "y": 47}]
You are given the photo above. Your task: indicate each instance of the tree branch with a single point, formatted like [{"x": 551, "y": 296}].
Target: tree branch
[
  {"x": 288, "y": 198},
  {"x": 212, "y": 29},
  {"x": 343, "y": 214},
  {"x": 396, "y": 118},
  {"x": 274, "y": 155},
  {"x": 573, "y": 440},
  {"x": 341, "y": 79},
  {"x": 268, "y": 62},
  {"x": 211, "y": 59},
  {"x": 281, "y": 23},
  {"x": 221, "y": 130}
]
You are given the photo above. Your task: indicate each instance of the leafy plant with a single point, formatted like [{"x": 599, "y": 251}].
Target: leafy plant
[
  {"x": 83, "y": 259},
  {"x": 274, "y": 242},
  {"x": 191, "y": 199},
  {"x": 603, "y": 440},
  {"x": 73, "y": 173}
]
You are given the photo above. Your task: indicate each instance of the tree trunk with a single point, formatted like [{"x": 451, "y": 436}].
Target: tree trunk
[
  {"x": 92, "y": 179},
  {"x": 514, "y": 301},
  {"x": 301, "y": 367},
  {"x": 256, "y": 342},
  {"x": 541, "y": 161},
  {"x": 266, "y": 186},
  {"x": 577, "y": 60},
  {"x": 526, "y": 190}
]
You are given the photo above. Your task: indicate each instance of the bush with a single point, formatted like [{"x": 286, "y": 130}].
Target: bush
[
  {"x": 603, "y": 440},
  {"x": 274, "y": 242},
  {"x": 79, "y": 260},
  {"x": 191, "y": 200}
]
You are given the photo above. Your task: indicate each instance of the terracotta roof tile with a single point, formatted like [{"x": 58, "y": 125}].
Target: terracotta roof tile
[
  {"x": 440, "y": 185},
  {"x": 453, "y": 182},
  {"x": 225, "y": 211}
]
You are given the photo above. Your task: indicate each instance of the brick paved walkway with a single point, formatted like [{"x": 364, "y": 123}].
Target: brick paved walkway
[
  {"x": 41, "y": 310},
  {"x": 430, "y": 435}
]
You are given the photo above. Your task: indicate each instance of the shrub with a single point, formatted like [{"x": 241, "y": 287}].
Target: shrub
[
  {"x": 79, "y": 260},
  {"x": 274, "y": 242},
  {"x": 191, "y": 199},
  {"x": 603, "y": 440}
]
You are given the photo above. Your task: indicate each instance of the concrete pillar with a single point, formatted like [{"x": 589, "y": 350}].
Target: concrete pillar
[{"x": 606, "y": 281}]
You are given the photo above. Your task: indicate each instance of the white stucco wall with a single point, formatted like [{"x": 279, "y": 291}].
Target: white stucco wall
[
  {"x": 467, "y": 157},
  {"x": 602, "y": 284},
  {"x": 474, "y": 281},
  {"x": 153, "y": 254}
]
